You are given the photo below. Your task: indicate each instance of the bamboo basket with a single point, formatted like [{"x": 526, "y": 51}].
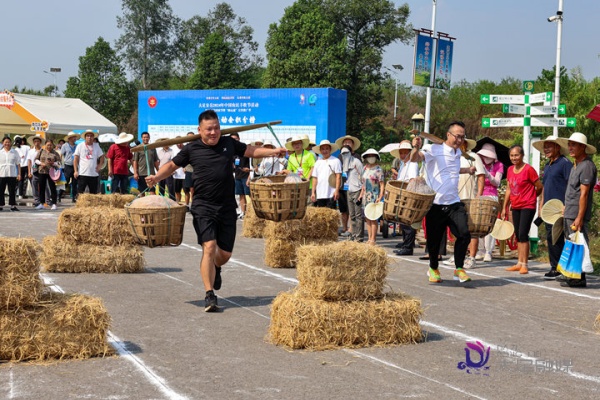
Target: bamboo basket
[
  {"x": 401, "y": 205},
  {"x": 279, "y": 201},
  {"x": 482, "y": 214},
  {"x": 155, "y": 227}
]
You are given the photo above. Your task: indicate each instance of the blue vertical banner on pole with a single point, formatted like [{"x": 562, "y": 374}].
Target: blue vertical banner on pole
[
  {"x": 422, "y": 60},
  {"x": 443, "y": 68}
]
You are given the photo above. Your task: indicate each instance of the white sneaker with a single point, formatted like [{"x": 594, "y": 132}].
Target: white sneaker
[
  {"x": 20, "y": 197},
  {"x": 39, "y": 207},
  {"x": 470, "y": 263},
  {"x": 449, "y": 261},
  {"x": 53, "y": 207},
  {"x": 487, "y": 257},
  {"x": 479, "y": 256}
]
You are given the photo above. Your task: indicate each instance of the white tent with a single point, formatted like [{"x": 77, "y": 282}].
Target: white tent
[{"x": 38, "y": 114}]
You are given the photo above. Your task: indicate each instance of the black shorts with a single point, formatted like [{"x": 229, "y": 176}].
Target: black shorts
[
  {"x": 188, "y": 182},
  {"x": 142, "y": 185},
  {"x": 215, "y": 223},
  {"x": 343, "y": 201},
  {"x": 177, "y": 185}
]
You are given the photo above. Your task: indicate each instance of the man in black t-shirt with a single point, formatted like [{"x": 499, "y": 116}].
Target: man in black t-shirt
[{"x": 213, "y": 205}]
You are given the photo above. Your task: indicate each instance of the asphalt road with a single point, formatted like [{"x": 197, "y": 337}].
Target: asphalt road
[{"x": 540, "y": 337}]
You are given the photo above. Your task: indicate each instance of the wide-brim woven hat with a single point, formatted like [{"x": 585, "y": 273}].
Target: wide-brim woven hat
[
  {"x": 539, "y": 145},
  {"x": 298, "y": 138},
  {"x": 374, "y": 211},
  {"x": 577, "y": 137},
  {"x": 355, "y": 141},
  {"x": 325, "y": 142},
  {"x": 503, "y": 230},
  {"x": 124, "y": 138},
  {"x": 404, "y": 145},
  {"x": 84, "y": 133}
]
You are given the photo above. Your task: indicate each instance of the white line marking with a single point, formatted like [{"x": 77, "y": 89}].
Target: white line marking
[
  {"x": 389, "y": 364},
  {"x": 152, "y": 377},
  {"x": 11, "y": 384},
  {"x": 537, "y": 285},
  {"x": 466, "y": 337}
]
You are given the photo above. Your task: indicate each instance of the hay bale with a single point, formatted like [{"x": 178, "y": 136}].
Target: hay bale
[
  {"x": 67, "y": 256},
  {"x": 58, "y": 326},
  {"x": 20, "y": 282},
  {"x": 282, "y": 253},
  {"x": 318, "y": 223},
  {"x": 109, "y": 227},
  {"x": 597, "y": 323},
  {"x": 115, "y": 200},
  {"x": 301, "y": 323},
  {"x": 342, "y": 271},
  {"x": 253, "y": 226}
]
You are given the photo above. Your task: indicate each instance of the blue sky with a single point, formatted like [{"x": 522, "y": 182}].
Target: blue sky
[{"x": 494, "y": 39}]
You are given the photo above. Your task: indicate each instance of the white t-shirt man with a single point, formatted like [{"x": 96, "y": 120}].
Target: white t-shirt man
[
  {"x": 23, "y": 154},
  {"x": 88, "y": 158},
  {"x": 442, "y": 164},
  {"x": 322, "y": 169},
  {"x": 407, "y": 171}
]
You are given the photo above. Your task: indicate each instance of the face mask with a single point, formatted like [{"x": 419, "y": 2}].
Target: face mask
[{"x": 371, "y": 160}]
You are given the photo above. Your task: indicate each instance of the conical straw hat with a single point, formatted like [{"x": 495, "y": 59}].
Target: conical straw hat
[
  {"x": 552, "y": 210},
  {"x": 557, "y": 229},
  {"x": 503, "y": 230},
  {"x": 373, "y": 211}
]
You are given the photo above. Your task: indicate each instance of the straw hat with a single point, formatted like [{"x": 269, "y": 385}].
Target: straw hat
[
  {"x": 297, "y": 138},
  {"x": 488, "y": 150},
  {"x": 72, "y": 134},
  {"x": 256, "y": 142},
  {"x": 268, "y": 143},
  {"x": 355, "y": 141},
  {"x": 577, "y": 137},
  {"x": 558, "y": 229},
  {"x": 54, "y": 173},
  {"x": 373, "y": 211},
  {"x": 325, "y": 142},
  {"x": 502, "y": 230},
  {"x": 370, "y": 152},
  {"x": 404, "y": 145},
  {"x": 124, "y": 138},
  {"x": 84, "y": 133},
  {"x": 470, "y": 144},
  {"x": 552, "y": 210},
  {"x": 539, "y": 145},
  {"x": 38, "y": 137}
]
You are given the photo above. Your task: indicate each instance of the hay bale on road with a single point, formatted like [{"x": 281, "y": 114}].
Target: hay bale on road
[
  {"x": 318, "y": 223},
  {"x": 283, "y": 253},
  {"x": 342, "y": 271},
  {"x": 252, "y": 226},
  {"x": 59, "y": 326},
  {"x": 20, "y": 282},
  {"x": 67, "y": 256},
  {"x": 115, "y": 200},
  {"x": 301, "y": 323},
  {"x": 108, "y": 227},
  {"x": 597, "y": 323}
]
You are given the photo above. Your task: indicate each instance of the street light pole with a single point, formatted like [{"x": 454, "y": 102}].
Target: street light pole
[
  {"x": 432, "y": 68},
  {"x": 559, "y": 21},
  {"x": 53, "y": 72},
  {"x": 399, "y": 68}
]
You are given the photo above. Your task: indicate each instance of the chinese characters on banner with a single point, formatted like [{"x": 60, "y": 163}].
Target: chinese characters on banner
[{"x": 423, "y": 59}]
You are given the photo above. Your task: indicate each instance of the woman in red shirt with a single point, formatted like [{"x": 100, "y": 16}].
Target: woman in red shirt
[{"x": 522, "y": 190}]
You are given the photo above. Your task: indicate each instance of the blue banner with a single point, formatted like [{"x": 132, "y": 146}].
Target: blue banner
[
  {"x": 423, "y": 60},
  {"x": 443, "y": 64},
  {"x": 319, "y": 113}
]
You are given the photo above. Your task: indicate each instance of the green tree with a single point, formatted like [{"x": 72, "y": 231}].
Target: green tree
[
  {"x": 337, "y": 43},
  {"x": 234, "y": 31},
  {"x": 305, "y": 50},
  {"x": 102, "y": 84},
  {"x": 215, "y": 66},
  {"x": 146, "y": 44}
]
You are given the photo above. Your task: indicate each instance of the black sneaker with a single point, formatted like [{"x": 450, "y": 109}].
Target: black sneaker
[
  {"x": 13, "y": 208},
  {"x": 218, "y": 280},
  {"x": 561, "y": 278},
  {"x": 577, "y": 283},
  {"x": 404, "y": 252},
  {"x": 210, "y": 302},
  {"x": 553, "y": 274},
  {"x": 400, "y": 245}
]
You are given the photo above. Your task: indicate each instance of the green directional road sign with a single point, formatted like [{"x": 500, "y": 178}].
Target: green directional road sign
[
  {"x": 560, "y": 122},
  {"x": 502, "y": 98},
  {"x": 539, "y": 97},
  {"x": 502, "y": 122},
  {"x": 562, "y": 109},
  {"x": 514, "y": 109}
]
